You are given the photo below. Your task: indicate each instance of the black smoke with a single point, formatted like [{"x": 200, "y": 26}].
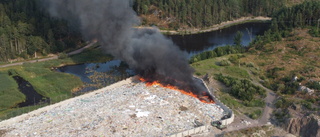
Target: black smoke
[{"x": 112, "y": 22}]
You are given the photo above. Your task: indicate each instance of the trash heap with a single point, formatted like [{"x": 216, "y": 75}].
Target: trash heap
[{"x": 128, "y": 110}]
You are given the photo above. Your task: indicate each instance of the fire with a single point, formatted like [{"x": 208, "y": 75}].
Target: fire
[{"x": 204, "y": 99}]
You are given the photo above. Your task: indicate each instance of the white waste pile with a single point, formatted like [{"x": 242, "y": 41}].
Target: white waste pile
[{"x": 129, "y": 110}]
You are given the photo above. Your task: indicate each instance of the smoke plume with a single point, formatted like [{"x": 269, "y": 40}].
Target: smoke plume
[{"x": 112, "y": 22}]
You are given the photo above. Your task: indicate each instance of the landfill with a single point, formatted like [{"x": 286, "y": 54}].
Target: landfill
[{"x": 131, "y": 109}]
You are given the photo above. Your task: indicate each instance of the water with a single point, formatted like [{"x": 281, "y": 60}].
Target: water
[
  {"x": 97, "y": 75},
  {"x": 32, "y": 96},
  {"x": 198, "y": 43}
]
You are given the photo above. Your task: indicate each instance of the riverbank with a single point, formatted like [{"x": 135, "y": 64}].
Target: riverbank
[
  {"x": 215, "y": 27},
  {"x": 51, "y": 84}
]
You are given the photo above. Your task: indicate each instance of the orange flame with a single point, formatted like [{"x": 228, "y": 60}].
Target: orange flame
[{"x": 204, "y": 99}]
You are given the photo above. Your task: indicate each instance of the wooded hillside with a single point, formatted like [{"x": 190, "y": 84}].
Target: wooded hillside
[
  {"x": 25, "y": 29},
  {"x": 201, "y": 13},
  {"x": 175, "y": 14},
  {"x": 305, "y": 14}
]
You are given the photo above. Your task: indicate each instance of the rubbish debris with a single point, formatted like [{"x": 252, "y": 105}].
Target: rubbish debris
[{"x": 128, "y": 110}]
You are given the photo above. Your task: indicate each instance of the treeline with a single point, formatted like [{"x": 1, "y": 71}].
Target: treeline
[
  {"x": 201, "y": 13},
  {"x": 303, "y": 15},
  {"x": 26, "y": 29},
  {"x": 221, "y": 51},
  {"x": 242, "y": 89},
  {"x": 217, "y": 52}
]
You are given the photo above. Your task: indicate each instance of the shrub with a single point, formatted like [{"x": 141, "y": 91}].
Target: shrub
[
  {"x": 62, "y": 55},
  {"x": 234, "y": 59},
  {"x": 250, "y": 65},
  {"x": 314, "y": 85},
  {"x": 198, "y": 73},
  {"x": 255, "y": 103},
  {"x": 281, "y": 116},
  {"x": 254, "y": 72},
  {"x": 243, "y": 63},
  {"x": 242, "y": 89},
  {"x": 313, "y": 32},
  {"x": 283, "y": 103},
  {"x": 224, "y": 63},
  {"x": 262, "y": 77},
  {"x": 219, "y": 51},
  {"x": 308, "y": 105},
  {"x": 256, "y": 114}
]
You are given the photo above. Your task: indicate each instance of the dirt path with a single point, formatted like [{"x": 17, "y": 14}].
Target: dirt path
[
  {"x": 49, "y": 58},
  {"x": 217, "y": 26},
  {"x": 243, "y": 122},
  {"x": 263, "y": 120},
  {"x": 82, "y": 49},
  {"x": 269, "y": 100},
  {"x": 265, "y": 117}
]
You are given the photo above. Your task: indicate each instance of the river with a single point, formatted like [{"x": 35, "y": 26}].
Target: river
[
  {"x": 97, "y": 75},
  {"x": 197, "y": 43}
]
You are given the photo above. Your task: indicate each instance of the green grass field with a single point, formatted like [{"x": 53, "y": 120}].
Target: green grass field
[
  {"x": 9, "y": 92},
  {"x": 47, "y": 82},
  {"x": 211, "y": 66}
]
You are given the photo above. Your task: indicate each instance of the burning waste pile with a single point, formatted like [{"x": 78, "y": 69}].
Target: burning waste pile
[
  {"x": 156, "y": 58},
  {"x": 184, "y": 88},
  {"x": 129, "y": 108}
]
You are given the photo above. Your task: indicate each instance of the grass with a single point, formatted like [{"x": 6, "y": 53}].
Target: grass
[
  {"x": 9, "y": 92},
  {"x": 210, "y": 66},
  {"x": 253, "y": 110},
  {"x": 91, "y": 55},
  {"x": 236, "y": 72},
  {"x": 255, "y": 114},
  {"x": 54, "y": 85},
  {"x": 230, "y": 101}
]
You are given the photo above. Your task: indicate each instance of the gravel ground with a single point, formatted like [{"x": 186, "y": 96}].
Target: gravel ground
[{"x": 126, "y": 110}]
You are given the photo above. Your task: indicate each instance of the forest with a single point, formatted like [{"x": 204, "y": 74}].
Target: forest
[
  {"x": 205, "y": 13},
  {"x": 26, "y": 31},
  {"x": 303, "y": 15}
]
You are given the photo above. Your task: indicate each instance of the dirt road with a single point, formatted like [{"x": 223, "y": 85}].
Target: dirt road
[
  {"x": 217, "y": 26},
  {"x": 82, "y": 49},
  {"x": 49, "y": 58},
  {"x": 242, "y": 121},
  {"x": 265, "y": 117}
]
